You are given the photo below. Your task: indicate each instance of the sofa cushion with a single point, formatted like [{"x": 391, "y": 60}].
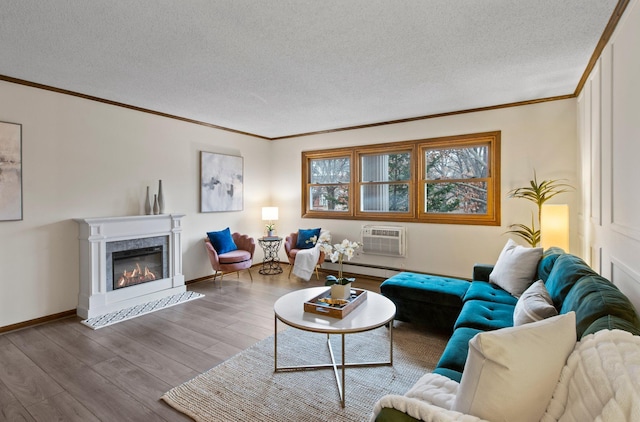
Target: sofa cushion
[
  {"x": 482, "y": 290},
  {"x": 535, "y": 304},
  {"x": 547, "y": 261},
  {"x": 485, "y": 315},
  {"x": 511, "y": 373},
  {"x": 593, "y": 297},
  {"x": 451, "y": 363},
  {"x": 427, "y": 299},
  {"x": 567, "y": 269},
  {"x": 516, "y": 267},
  {"x": 609, "y": 322}
]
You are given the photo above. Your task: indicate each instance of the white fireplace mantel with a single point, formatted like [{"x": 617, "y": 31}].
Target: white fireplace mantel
[{"x": 94, "y": 298}]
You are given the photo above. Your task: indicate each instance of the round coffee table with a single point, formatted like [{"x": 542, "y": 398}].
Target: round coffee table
[{"x": 375, "y": 311}]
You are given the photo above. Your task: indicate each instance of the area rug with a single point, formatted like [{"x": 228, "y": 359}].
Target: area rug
[
  {"x": 138, "y": 310},
  {"x": 246, "y": 388}
]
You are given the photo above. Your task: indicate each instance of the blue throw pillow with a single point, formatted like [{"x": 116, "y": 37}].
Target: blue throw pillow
[
  {"x": 222, "y": 241},
  {"x": 304, "y": 235}
]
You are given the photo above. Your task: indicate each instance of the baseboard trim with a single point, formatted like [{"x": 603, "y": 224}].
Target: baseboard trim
[{"x": 37, "y": 321}]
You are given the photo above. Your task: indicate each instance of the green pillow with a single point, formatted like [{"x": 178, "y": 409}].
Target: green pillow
[{"x": 222, "y": 241}]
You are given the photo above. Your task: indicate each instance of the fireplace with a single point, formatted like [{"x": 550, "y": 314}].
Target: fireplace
[
  {"x": 136, "y": 266},
  {"x": 128, "y": 261}
]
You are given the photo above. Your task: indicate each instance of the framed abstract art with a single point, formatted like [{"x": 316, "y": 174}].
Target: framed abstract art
[
  {"x": 221, "y": 182},
  {"x": 10, "y": 171}
]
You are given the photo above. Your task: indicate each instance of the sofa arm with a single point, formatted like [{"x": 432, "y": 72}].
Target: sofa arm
[
  {"x": 481, "y": 272},
  {"x": 414, "y": 409}
]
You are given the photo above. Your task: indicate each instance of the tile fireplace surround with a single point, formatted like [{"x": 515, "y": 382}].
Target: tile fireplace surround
[{"x": 95, "y": 297}]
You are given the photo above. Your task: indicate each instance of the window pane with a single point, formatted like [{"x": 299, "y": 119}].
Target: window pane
[
  {"x": 385, "y": 198},
  {"x": 456, "y": 198},
  {"x": 329, "y": 198},
  {"x": 331, "y": 170},
  {"x": 386, "y": 167},
  {"x": 457, "y": 163}
]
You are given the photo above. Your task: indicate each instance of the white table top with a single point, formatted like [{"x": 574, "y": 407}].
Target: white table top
[{"x": 375, "y": 311}]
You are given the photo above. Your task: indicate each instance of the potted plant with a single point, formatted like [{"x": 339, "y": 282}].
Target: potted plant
[
  {"x": 270, "y": 229},
  {"x": 538, "y": 193},
  {"x": 340, "y": 285}
]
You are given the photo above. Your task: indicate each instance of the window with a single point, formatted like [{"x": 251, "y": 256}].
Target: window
[
  {"x": 329, "y": 183},
  {"x": 458, "y": 180},
  {"x": 384, "y": 183},
  {"x": 452, "y": 180}
]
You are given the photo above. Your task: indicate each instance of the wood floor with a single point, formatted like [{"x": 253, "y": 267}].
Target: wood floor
[{"x": 64, "y": 371}]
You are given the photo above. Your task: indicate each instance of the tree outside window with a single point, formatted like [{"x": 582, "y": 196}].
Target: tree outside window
[
  {"x": 329, "y": 188},
  {"x": 455, "y": 180}
]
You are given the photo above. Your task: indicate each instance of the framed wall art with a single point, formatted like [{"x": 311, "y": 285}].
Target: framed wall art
[
  {"x": 221, "y": 182},
  {"x": 10, "y": 171}
]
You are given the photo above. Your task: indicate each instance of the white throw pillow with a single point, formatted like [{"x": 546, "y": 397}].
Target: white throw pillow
[
  {"x": 511, "y": 373},
  {"x": 515, "y": 268},
  {"x": 535, "y": 304}
]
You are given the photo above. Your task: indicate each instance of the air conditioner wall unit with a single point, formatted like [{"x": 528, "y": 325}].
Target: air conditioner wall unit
[{"x": 384, "y": 240}]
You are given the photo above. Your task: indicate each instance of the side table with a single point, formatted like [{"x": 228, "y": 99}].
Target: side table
[{"x": 271, "y": 261}]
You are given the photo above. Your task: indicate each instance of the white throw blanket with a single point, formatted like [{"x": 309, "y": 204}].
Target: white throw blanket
[
  {"x": 305, "y": 263},
  {"x": 600, "y": 382}
]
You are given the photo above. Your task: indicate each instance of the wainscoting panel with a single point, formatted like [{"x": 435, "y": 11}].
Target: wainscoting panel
[
  {"x": 596, "y": 147},
  {"x": 627, "y": 280},
  {"x": 625, "y": 129}
]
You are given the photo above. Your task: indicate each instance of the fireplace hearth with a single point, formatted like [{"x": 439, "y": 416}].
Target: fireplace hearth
[{"x": 127, "y": 261}]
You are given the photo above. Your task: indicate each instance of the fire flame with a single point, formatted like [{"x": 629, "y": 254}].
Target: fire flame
[{"x": 136, "y": 276}]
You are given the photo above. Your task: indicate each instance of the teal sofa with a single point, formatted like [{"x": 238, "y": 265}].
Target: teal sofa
[{"x": 571, "y": 283}]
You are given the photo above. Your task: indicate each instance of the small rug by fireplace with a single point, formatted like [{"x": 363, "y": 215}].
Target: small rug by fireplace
[
  {"x": 245, "y": 387},
  {"x": 138, "y": 310}
]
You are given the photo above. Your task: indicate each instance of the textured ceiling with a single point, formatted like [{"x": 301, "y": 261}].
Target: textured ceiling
[{"x": 284, "y": 67}]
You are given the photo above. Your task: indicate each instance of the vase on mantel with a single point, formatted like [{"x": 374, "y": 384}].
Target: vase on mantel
[
  {"x": 147, "y": 203},
  {"x": 156, "y": 208},
  {"x": 341, "y": 291},
  {"x": 160, "y": 198}
]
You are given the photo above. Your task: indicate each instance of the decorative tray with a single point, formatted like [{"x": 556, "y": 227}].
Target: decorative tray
[{"x": 335, "y": 308}]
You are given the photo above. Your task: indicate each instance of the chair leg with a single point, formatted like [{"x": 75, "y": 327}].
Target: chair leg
[
  {"x": 290, "y": 269},
  {"x": 250, "y": 275},
  {"x": 317, "y": 276}
]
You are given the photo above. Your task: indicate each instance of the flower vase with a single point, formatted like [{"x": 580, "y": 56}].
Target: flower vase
[
  {"x": 270, "y": 233},
  {"x": 341, "y": 291},
  {"x": 156, "y": 208},
  {"x": 160, "y": 198},
  {"x": 147, "y": 203}
]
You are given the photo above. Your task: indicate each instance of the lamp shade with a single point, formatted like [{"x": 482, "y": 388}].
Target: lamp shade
[
  {"x": 554, "y": 226},
  {"x": 269, "y": 213}
]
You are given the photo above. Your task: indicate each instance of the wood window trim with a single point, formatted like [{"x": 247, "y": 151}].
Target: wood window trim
[
  {"x": 492, "y": 217},
  {"x": 416, "y": 197}
]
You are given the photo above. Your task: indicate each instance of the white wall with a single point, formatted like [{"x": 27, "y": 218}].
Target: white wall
[
  {"x": 87, "y": 159},
  {"x": 609, "y": 147},
  {"x": 540, "y": 136}
]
